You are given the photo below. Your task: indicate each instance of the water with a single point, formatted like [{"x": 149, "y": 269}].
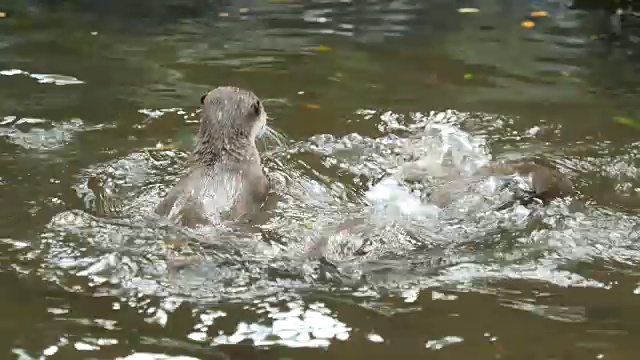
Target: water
[{"x": 380, "y": 104}]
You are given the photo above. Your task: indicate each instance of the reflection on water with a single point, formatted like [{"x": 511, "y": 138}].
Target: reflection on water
[
  {"x": 383, "y": 241},
  {"x": 44, "y": 78}
]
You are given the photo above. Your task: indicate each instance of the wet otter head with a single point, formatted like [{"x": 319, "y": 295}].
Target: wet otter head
[{"x": 232, "y": 119}]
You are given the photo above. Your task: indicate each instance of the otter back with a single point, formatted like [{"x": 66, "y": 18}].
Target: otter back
[{"x": 207, "y": 196}]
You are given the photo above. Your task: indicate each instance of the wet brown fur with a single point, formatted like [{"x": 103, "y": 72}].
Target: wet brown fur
[{"x": 547, "y": 182}]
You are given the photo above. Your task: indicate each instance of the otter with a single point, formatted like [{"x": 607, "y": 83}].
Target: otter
[
  {"x": 225, "y": 179},
  {"x": 530, "y": 179},
  {"x": 546, "y": 182}
]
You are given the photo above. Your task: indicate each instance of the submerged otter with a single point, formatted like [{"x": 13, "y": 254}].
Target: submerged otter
[
  {"x": 225, "y": 179},
  {"x": 546, "y": 182},
  {"x": 542, "y": 182}
]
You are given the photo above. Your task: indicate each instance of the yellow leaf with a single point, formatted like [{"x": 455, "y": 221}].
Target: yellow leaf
[
  {"x": 527, "y": 24},
  {"x": 539, "y": 13},
  {"x": 468, "y": 10},
  {"x": 3, "y": 14},
  {"x": 627, "y": 121},
  {"x": 468, "y": 76},
  {"x": 223, "y": 14},
  {"x": 321, "y": 48},
  {"x": 312, "y": 106}
]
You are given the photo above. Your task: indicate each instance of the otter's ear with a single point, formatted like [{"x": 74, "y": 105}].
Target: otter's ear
[
  {"x": 204, "y": 96},
  {"x": 255, "y": 108}
]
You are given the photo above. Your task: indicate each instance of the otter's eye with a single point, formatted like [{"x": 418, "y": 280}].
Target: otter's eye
[
  {"x": 204, "y": 96},
  {"x": 255, "y": 107}
]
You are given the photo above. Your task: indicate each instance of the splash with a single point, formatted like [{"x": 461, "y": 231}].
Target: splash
[{"x": 362, "y": 225}]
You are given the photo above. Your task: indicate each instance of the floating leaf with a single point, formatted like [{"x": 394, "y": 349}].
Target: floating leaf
[
  {"x": 312, "y": 106},
  {"x": 468, "y": 76},
  {"x": 3, "y": 14},
  {"x": 539, "y": 13},
  {"x": 321, "y": 48},
  {"x": 223, "y": 14},
  {"x": 468, "y": 10},
  {"x": 528, "y": 24},
  {"x": 623, "y": 120}
]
